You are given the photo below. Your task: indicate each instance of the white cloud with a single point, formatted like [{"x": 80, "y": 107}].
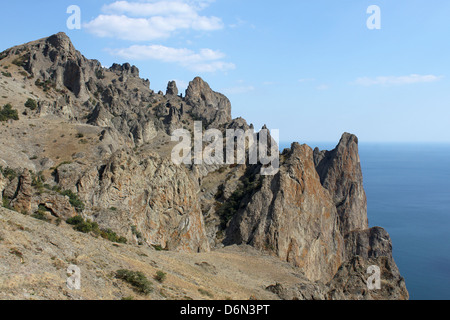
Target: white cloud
[
  {"x": 205, "y": 60},
  {"x": 393, "y": 80},
  {"x": 150, "y": 20}
]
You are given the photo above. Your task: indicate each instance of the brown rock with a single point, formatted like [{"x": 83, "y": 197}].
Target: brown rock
[
  {"x": 23, "y": 200},
  {"x": 340, "y": 173},
  {"x": 214, "y": 108},
  {"x": 294, "y": 217}
]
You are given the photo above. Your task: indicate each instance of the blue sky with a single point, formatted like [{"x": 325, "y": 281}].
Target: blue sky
[{"x": 310, "y": 68}]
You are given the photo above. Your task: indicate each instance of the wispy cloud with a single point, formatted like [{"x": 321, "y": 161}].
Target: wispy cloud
[
  {"x": 205, "y": 60},
  {"x": 397, "y": 80},
  {"x": 151, "y": 20}
]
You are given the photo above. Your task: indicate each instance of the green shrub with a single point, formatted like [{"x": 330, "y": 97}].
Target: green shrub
[
  {"x": 6, "y": 203},
  {"x": 20, "y": 61},
  {"x": 136, "y": 232},
  {"x": 86, "y": 226},
  {"x": 31, "y": 104},
  {"x": 75, "y": 220},
  {"x": 158, "y": 247},
  {"x": 7, "y": 74},
  {"x": 206, "y": 293},
  {"x": 227, "y": 210},
  {"x": 8, "y": 113},
  {"x": 74, "y": 200},
  {"x": 110, "y": 235},
  {"x": 41, "y": 213},
  {"x": 160, "y": 276},
  {"x": 137, "y": 279},
  {"x": 8, "y": 173}
]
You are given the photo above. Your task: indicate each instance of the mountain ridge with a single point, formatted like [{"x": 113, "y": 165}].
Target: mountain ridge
[{"x": 97, "y": 145}]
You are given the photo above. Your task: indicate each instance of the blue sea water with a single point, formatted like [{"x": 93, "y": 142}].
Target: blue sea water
[{"x": 408, "y": 194}]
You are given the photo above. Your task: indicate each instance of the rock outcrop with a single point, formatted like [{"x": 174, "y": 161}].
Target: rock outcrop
[
  {"x": 294, "y": 217},
  {"x": 23, "y": 197},
  {"x": 172, "y": 89},
  {"x": 340, "y": 173},
  {"x": 212, "y": 107},
  {"x": 157, "y": 197},
  {"x": 96, "y": 143}
]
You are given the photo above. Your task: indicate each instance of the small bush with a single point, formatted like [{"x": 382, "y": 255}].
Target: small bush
[
  {"x": 158, "y": 247},
  {"x": 8, "y": 113},
  {"x": 110, "y": 235},
  {"x": 7, "y": 74},
  {"x": 86, "y": 226},
  {"x": 31, "y": 104},
  {"x": 206, "y": 293},
  {"x": 8, "y": 173},
  {"x": 74, "y": 200},
  {"x": 41, "y": 214},
  {"x": 160, "y": 276},
  {"x": 20, "y": 61},
  {"x": 75, "y": 220},
  {"x": 136, "y": 232},
  {"x": 137, "y": 279},
  {"x": 6, "y": 203}
]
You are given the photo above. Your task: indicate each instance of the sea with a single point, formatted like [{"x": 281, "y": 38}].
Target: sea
[{"x": 408, "y": 194}]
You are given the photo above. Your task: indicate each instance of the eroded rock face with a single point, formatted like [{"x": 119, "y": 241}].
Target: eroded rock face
[
  {"x": 58, "y": 205},
  {"x": 3, "y": 183},
  {"x": 157, "y": 197},
  {"x": 312, "y": 213},
  {"x": 350, "y": 282},
  {"x": 22, "y": 202},
  {"x": 340, "y": 173},
  {"x": 172, "y": 89},
  {"x": 294, "y": 217},
  {"x": 212, "y": 107}
]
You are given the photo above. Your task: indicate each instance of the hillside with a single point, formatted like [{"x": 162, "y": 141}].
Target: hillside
[{"x": 89, "y": 148}]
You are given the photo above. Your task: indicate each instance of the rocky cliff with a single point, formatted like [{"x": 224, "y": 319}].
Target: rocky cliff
[{"x": 91, "y": 150}]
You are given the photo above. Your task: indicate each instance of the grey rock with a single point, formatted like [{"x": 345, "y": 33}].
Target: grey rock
[
  {"x": 172, "y": 89},
  {"x": 340, "y": 173},
  {"x": 214, "y": 108}
]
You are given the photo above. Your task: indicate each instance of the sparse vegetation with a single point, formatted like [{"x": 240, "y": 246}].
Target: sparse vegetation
[
  {"x": 87, "y": 226},
  {"x": 74, "y": 200},
  {"x": 158, "y": 247},
  {"x": 136, "y": 279},
  {"x": 5, "y": 203},
  {"x": 135, "y": 232},
  {"x": 112, "y": 236},
  {"x": 227, "y": 210},
  {"x": 8, "y": 173},
  {"x": 46, "y": 86},
  {"x": 31, "y": 104},
  {"x": 41, "y": 213},
  {"x": 206, "y": 293},
  {"x": 160, "y": 276},
  {"x": 8, "y": 113},
  {"x": 20, "y": 61},
  {"x": 7, "y": 74}
]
